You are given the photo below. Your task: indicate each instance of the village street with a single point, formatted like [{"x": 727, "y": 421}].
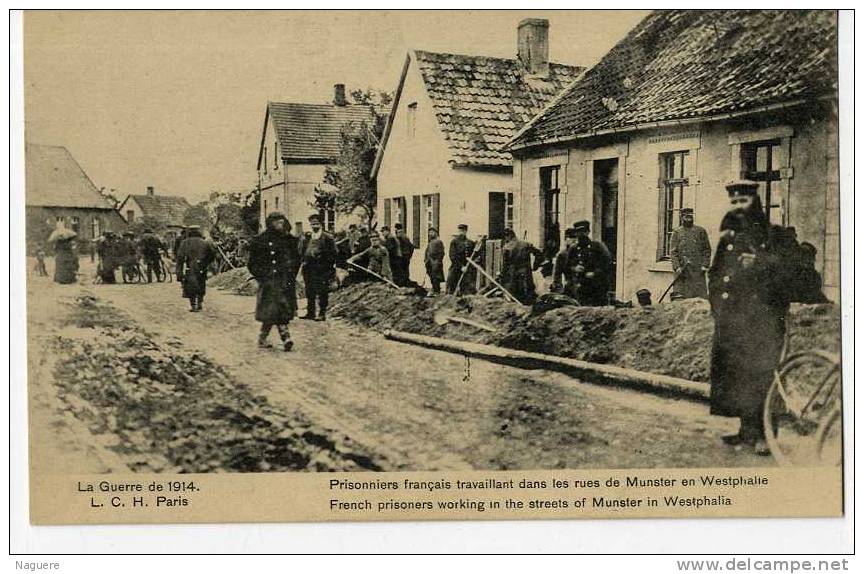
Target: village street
[{"x": 413, "y": 408}]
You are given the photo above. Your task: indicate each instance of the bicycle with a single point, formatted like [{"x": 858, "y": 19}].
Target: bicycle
[{"x": 802, "y": 413}]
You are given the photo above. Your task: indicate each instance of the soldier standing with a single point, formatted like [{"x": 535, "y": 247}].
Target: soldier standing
[
  {"x": 516, "y": 271},
  {"x": 564, "y": 278},
  {"x": 193, "y": 260},
  {"x": 690, "y": 252},
  {"x": 588, "y": 265},
  {"x": 433, "y": 259},
  {"x": 461, "y": 248},
  {"x": 151, "y": 250},
  {"x": 274, "y": 260},
  {"x": 402, "y": 271},
  {"x": 749, "y": 294},
  {"x": 318, "y": 256},
  {"x": 129, "y": 257}
]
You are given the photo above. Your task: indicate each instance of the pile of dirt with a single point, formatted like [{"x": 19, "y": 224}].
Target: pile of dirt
[
  {"x": 240, "y": 282},
  {"x": 167, "y": 409},
  {"x": 670, "y": 339}
]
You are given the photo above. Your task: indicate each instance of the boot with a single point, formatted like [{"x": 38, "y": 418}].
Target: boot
[
  {"x": 192, "y": 307},
  {"x": 263, "y": 343}
]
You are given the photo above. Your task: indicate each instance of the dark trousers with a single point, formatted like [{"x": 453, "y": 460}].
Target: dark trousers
[
  {"x": 154, "y": 265},
  {"x": 317, "y": 292},
  {"x": 284, "y": 333}
]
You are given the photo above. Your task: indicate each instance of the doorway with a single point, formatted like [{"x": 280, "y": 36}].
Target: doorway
[{"x": 606, "y": 210}]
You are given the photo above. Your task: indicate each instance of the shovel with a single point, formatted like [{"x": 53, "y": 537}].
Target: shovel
[{"x": 442, "y": 319}]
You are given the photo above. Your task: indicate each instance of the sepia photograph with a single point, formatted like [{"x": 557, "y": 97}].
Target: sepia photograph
[{"x": 356, "y": 243}]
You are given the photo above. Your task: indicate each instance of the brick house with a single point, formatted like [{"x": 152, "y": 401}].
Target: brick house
[
  {"x": 298, "y": 142},
  {"x": 58, "y": 193},
  {"x": 686, "y": 102},
  {"x": 442, "y": 160}
]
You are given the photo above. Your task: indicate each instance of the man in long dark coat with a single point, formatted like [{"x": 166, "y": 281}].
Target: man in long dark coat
[
  {"x": 461, "y": 248},
  {"x": 402, "y": 273},
  {"x": 274, "y": 260},
  {"x": 193, "y": 260},
  {"x": 65, "y": 261},
  {"x": 318, "y": 256},
  {"x": 433, "y": 259},
  {"x": 690, "y": 253},
  {"x": 108, "y": 251},
  {"x": 516, "y": 268},
  {"x": 749, "y": 283}
]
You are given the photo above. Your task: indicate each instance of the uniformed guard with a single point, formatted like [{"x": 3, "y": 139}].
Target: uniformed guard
[
  {"x": 129, "y": 257},
  {"x": 402, "y": 271},
  {"x": 274, "y": 260},
  {"x": 690, "y": 253},
  {"x": 151, "y": 248},
  {"x": 193, "y": 261},
  {"x": 588, "y": 266},
  {"x": 749, "y": 293},
  {"x": 461, "y": 248},
  {"x": 433, "y": 259},
  {"x": 318, "y": 257},
  {"x": 516, "y": 270}
]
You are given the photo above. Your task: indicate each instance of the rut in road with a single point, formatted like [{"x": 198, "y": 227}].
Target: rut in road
[{"x": 172, "y": 410}]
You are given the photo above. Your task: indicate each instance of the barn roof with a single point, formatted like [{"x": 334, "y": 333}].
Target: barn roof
[
  {"x": 167, "y": 208},
  {"x": 54, "y": 179},
  {"x": 311, "y": 132},
  {"x": 480, "y": 102},
  {"x": 686, "y": 64}
]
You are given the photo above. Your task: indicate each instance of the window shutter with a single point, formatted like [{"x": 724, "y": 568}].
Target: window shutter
[
  {"x": 403, "y": 215},
  {"x": 661, "y": 211},
  {"x": 415, "y": 223},
  {"x": 387, "y": 212},
  {"x": 436, "y": 211}
]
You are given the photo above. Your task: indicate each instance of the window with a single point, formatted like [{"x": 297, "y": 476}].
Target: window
[
  {"x": 508, "y": 211},
  {"x": 327, "y": 212},
  {"x": 760, "y": 162},
  {"x": 675, "y": 194},
  {"x": 551, "y": 192},
  {"x": 130, "y": 215},
  {"x": 411, "y": 120},
  {"x": 399, "y": 211},
  {"x": 95, "y": 231},
  {"x": 277, "y": 203},
  {"x": 75, "y": 224}
]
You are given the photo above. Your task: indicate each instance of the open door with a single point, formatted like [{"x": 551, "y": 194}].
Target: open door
[
  {"x": 497, "y": 208},
  {"x": 606, "y": 210}
]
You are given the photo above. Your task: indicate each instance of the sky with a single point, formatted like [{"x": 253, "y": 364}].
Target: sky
[{"x": 176, "y": 100}]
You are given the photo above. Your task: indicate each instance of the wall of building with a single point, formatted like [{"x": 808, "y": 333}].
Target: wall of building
[
  {"x": 416, "y": 163},
  {"x": 808, "y": 172},
  {"x": 42, "y": 220}
]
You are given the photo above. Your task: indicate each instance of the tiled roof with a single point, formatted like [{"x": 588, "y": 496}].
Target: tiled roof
[
  {"x": 54, "y": 179},
  {"x": 481, "y": 102},
  {"x": 312, "y": 131},
  {"x": 683, "y": 64},
  {"x": 167, "y": 208}
]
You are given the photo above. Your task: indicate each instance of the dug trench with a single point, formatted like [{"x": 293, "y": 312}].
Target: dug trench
[
  {"x": 163, "y": 408},
  {"x": 671, "y": 339}
]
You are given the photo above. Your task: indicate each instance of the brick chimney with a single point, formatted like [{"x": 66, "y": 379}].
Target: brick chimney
[
  {"x": 533, "y": 43},
  {"x": 150, "y": 190},
  {"x": 339, "y": 95}
]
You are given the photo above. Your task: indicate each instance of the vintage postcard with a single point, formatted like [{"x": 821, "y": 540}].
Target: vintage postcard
[{"x": 404, "y": 265}]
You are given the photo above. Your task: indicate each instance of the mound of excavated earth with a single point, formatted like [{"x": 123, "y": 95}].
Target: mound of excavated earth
[
  {"x": 239, "y": 281},
  {"x": 671, "y": 339}
]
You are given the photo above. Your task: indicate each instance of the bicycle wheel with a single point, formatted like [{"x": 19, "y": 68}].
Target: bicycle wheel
[
  {"x": 804, "y": 391},
  {"x": 830, "y": 439}
]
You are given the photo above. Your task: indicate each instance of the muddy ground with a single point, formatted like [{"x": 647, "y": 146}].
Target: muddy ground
[{"x": 401, "y": 406}]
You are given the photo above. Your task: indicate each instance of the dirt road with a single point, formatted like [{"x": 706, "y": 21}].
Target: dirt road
[{"x": 417, "y": 409}]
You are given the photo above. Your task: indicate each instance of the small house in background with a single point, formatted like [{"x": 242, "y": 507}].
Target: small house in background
[
  {"x": 686, "y": 102},
  {"x": 298, "y": 142},
  {"x": 167, "y": 209},
  {"x": 442, "y": 160},
  {"x": 58, "y": 193}
]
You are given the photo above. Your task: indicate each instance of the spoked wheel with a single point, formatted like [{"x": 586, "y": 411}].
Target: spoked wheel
[
  {"x": 804, "y": 394},
  {"x": 830, "y": 440}
]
